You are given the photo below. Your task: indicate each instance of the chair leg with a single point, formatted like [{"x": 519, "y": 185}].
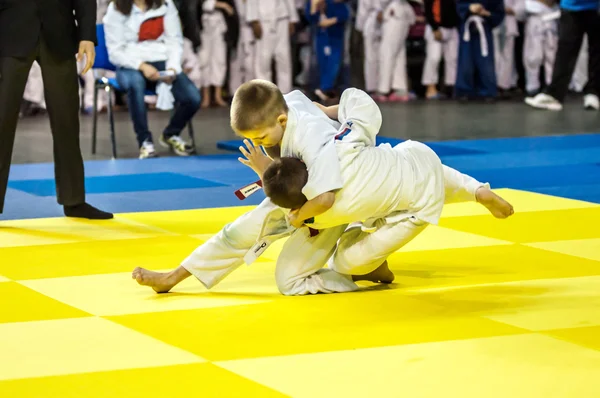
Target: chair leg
[
  {"x": 95, "y": 120},
  {"x": 111, "y": 121},
  {"x": 191, "y": 134}
]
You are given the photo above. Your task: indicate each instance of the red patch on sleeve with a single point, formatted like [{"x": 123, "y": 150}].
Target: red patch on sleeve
[{"x": 151, "y": 29}]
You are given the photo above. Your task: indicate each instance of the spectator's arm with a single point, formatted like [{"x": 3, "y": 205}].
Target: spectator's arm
[
  {"x": 85, "y": 15},
  {"x": 114, "y": 31},
  {"x": 311, "y": 12},
  {"x": 173, "y": 38}
]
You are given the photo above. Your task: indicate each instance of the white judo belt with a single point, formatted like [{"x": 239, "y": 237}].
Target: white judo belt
[{"x": 478, "y": 21}]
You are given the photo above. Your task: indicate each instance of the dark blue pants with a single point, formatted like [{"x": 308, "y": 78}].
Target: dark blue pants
[
  {"x": 187, "y": 101},
  {"x": 476, "y": 74},
  {"x": 330, "y": 56}
]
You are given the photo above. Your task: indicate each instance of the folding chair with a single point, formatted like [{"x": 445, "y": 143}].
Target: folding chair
[{"x": 109, "y": 85}]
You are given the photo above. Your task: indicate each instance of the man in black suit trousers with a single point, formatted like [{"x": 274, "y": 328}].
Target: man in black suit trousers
[{"x": 51, "y": 32}]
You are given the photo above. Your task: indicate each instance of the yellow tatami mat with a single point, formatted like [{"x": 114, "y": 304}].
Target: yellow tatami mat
[{"x": 480, "y": 308}]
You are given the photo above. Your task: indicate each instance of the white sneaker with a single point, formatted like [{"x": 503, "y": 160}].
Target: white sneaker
[
  {"x": 591, "y": 102},
  {"x": 544, "y": 101},
  {"x": 147, "y": 150},
  {"x": 177, "y": 145}
]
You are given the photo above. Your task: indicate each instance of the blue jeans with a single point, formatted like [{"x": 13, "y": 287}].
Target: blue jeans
[{"x": 187, "y": 101}]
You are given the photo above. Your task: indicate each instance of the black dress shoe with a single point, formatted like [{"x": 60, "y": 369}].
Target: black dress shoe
[{"x": 85, "y": 210}]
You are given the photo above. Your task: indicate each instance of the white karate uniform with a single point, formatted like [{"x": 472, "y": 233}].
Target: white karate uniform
[
  {"x": 275, "y": 17},
  {"x": 213, "y": 53},
  {"x": 580, "y": 75},
  {"x": 504, "y": 47},
  {"x": 541, "y": 43},
  {"x": 449, "y": 48},
  {"x": 309, "y": 136},
  {"x": 242, "y": 60},
  {"x": 398, "y": 16}
]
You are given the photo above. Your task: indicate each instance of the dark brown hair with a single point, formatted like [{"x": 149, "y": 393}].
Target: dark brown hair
[
  {"x": 283, "y": 181},
  {"x": 125, "y": 6}
]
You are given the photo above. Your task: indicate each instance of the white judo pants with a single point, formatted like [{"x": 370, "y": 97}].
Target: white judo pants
[
  {"x": 362, "y": 252},
  {"x": 34, "y": 89},
  {"x": 213, "y": 53},
  {"x": 504, "y": 57},
  {"x": 435, "y": 49},
  {"x": 372, "y": 43},
  {"x": 541, "y": 43},
  {"x": 299, "y": 267},
  {"x": 242, "y": 64},
  {"x": 392, "y": 56},
  {"x": 275, "y": 44},
  {"x": 580, "y": 75}
]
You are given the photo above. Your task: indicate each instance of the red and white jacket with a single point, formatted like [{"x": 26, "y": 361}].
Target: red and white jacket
[{"x": 144, "y": 36}]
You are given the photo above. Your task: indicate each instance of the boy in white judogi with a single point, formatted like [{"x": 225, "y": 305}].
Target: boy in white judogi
[
  {"x": 242, "y": 60},
  {"x": 213, "y": 53},
  {"x": 272, "y": 24},
  {"x": 541, "y": 42},
  {"x": 396, "y": 17},
  {"x": 441, "y": 36},
  {"x": 504, "y": 45},
  {"x": 395, "y": 192},
  {"x": 295, "y": 127},
  {"x": 385, "y": 25}
]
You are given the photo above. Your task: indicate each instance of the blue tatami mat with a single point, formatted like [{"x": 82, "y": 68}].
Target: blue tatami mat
[
  {"x": 440, "y": 148},
  {"x": 119, "y": 183},
  {"x": 567, "y": 166}
]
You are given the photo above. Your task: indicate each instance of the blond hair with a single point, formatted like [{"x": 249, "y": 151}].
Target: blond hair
[{"x": 256, "y": 104}]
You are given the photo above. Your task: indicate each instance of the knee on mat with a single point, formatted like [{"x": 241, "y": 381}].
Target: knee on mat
[{"x": 285, "y": 285}]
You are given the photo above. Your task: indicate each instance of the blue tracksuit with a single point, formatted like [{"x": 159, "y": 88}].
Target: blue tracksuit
[
  {"x": 476, "y": 75},
  {"x": 329, "y": 42}
]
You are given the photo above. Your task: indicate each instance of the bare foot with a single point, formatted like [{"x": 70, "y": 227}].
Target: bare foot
[
  {"x": 205, "y": 103},
  {"x": 499, "y": 207},
  {"x": 381, "y": 275},
  {"x": 160, "y": 282}
]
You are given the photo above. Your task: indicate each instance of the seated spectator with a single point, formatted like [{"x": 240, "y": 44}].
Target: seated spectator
[{"x": 144, "y": 38}]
